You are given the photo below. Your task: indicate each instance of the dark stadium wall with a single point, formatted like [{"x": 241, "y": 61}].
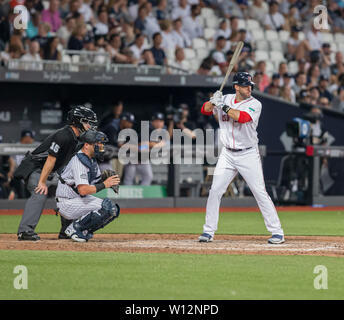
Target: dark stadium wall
[{"x": 43, "y": 107}]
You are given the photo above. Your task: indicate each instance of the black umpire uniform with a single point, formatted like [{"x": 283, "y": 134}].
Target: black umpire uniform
[{"x": 61, "y": 145}]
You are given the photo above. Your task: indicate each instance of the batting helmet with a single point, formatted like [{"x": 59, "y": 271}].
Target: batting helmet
[
  {"x": 79, "y": 115},
  {"x": 243, "y": 79}
]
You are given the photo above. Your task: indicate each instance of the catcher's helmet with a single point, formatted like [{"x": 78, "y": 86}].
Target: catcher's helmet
[
  {"x": 92, "y": 136},
  {"x": 243, "y": 79},
  {"x": 79, "y": 115}
]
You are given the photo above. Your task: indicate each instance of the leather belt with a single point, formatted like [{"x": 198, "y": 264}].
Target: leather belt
[{"x": 237, "y": 150}]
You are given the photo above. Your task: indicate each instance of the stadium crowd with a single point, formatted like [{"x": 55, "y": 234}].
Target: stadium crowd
[{"x": 148, "y": 31}]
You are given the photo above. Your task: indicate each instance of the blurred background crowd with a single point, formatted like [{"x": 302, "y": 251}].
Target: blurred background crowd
[{"x": 283, "y": 50}]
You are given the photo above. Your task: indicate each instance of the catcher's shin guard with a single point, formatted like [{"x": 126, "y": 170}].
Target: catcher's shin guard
[
  {"x": 96, "y": 220},
  {"x": 64, "y": 224}
]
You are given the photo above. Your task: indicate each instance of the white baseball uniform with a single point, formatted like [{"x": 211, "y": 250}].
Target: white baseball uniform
[
  {"x": 71, "y": 205},
  {"x": 240, "y": 136}
]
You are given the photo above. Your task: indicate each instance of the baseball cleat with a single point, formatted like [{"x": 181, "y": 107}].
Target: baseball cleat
[
  {"x": 28, "y": 236},
  {"x": 276, "y": 239},
  {"x": 205, "y": 237},
  {"x": 76, "y": 238}
]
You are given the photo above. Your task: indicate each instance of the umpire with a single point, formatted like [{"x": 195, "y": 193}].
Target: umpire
[{"x": 39, "y": 167}]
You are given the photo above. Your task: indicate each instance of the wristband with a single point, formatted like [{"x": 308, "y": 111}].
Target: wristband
[
  {"x": 226, "y": 108},
  {"x": 99, "y": 186}
]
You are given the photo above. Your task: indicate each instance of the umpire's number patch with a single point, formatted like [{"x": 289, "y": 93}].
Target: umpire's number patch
[{"x": 55, "y": 147}]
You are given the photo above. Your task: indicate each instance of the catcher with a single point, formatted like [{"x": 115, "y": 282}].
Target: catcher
[{"x": 79, "y": 180}]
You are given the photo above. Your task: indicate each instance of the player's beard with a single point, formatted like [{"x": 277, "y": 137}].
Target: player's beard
[{"x": 244, "y": 94}]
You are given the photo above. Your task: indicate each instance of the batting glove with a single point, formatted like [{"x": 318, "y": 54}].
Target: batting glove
[{"x": 218, "y": 95}]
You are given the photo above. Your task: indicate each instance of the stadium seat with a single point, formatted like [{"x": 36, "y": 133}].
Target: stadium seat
[
  {"x": 252, "y": 24},
  {"x": 194, "y": 64},
  {"x": 339, "y": 37},
  {"x": 75, "y": 58},
  {"x": 341, "y": 47},
  {"x": 327, "y": 37},
  {"x": 276, "y": 45},
  {"x": 202, "y": 53},
  {"x": 211, "y": 45},
  {"x": 241, "y": 24},
  {"x": 66, "y": 58},
  {"x": 276, "y": 56},
  {"x": 199, "y": 43},
  {"x": 271, "y": 35},
  {"x": 209, "y": 33},
  {"x": 257, "y": 34},
  {"x": 212, "y": 22},
  {"x": 269, "y": 67},
  {"x": 207, "y": 12},
  {"x": 262, "y": 55},
  {"x": 302, "y": 36},
  {"x": 293, "y": 67},
  {"x": 283, "y": 35},
  {"x": 189, "y": 53},
  {"x": 262, "y": 45},
  {"x": 334, "y": 46},
  {"x": 170, "y": 53},
  {"x": 46, "y": 4}
]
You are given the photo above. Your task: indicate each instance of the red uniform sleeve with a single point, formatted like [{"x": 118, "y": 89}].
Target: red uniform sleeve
[
  {"x": 244, "y": 117},
  {"x": 207, "y": 113}
]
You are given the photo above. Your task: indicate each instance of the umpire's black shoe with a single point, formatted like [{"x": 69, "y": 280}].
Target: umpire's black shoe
[
  {"x": 28, "y": 236},
  {"x": 63, "y": 236}
]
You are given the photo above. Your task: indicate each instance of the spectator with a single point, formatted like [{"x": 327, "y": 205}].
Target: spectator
[
  {"x": 32, "y": 27},
  {"x": 273, "y": 90},
  {"x": 160, "y": 11},
  {"x": 338, "y": 22},
  {"x": 86, "y": 11},
  {"x": 205, "y": 67},
  {"x": 183, "y": 123},
  {"x": 313, "y": 75},
  {"x": 101, "y": 27},
  {"x": 242, "y": 13},
  {"x": 181, "y": 11},
  {"x": 323, "y": 85},
  {"x": 265, "y": 79},
  {"x": 313, "y": 41},
  {"x": 152, "y": 25},
  {"x": 288, "y": 94},
  {"x": 148, "y": 58},
  {"x": 158, "y": 53},
  {"x": 258, "y": 11},
  {"x": 304, "y": 97},
  {"x": 257, "y": 79},
  {"x": 76, "y": 40},
  {"x": 282, "y": 69},
  {"x": 302, "y": 65},
  {"x": 229, "y": 9},
  {"x": 119, "y": 11},
  {"x": 223, "y": 30},
  {"x": 52, "y": 15},
  {"x": 274, "y": 20},
  {"x": 14, "y": 52},
  {"x": 33, "y": 54},
  {"x": 138, "y": 47},
  {"x": 338, "y": 67},
  {"x": 180, "y": 37},
  {"x": 314, "y": 95},
  {"x": 66, "y": 30},
  {"x": 168, "y": 41},
  {"x": 275, "y": 83},
  {"x": 234, "y": 24},
  {"x": 300, "y": 83},
  {"x": 325, "y": 60},
  {"x": 140, "y": 22},
  {"x": 50, "y": 51},
  {"x": 338, "y": 101},
  {"x": 43, "y": 34},
  {"x": 134, "y": 9},
  {"x": 218, "y": 54},
  {"x": 293, "y": 43},
  {"x": 180, "y": 64},
  {"x": 192, "y": 24},
  {"x": 114, "y": 48},
  {"x": 324, "y": 103}
]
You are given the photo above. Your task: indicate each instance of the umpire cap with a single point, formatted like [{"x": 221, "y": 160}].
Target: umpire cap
[
  {"x": 243, "y": 79},
  {"x": 81, "y": 114},
  {"x": 92, "y": 136}
]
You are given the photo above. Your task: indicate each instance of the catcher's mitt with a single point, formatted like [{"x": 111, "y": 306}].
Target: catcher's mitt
[{"x": 109, "y": 173}]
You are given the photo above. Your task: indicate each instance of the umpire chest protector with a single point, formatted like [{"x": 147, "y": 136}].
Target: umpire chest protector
[{"x": 91, "y": 164}]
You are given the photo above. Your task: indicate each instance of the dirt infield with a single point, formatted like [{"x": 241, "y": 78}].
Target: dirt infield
[{"x": 184, "y": 243}]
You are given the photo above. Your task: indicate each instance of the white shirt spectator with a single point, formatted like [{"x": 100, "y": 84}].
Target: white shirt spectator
[
  {"x": 86, "y": 11},
  {"x": 185, "y": 65},
  {"x": 193, "y": 27},
  {"x": 152, "y": 26},
  {"x": 179, "y": 12},
  {"x": 258, "y": 13},
  {"x": 277, "y": 22},
  {"x": 101, "y": 28},
  {"x": 314, "y": 39},
  {"x": 181, "y": 39},
  {"x": 64, "y": 34},
  {"x": 31, "y": 57},
  {"x": 223, "y": 33},
  {"x": 168, "y": 41},
  {"x": 219, "y": 57},
  {"x": 137, "y": 51}
]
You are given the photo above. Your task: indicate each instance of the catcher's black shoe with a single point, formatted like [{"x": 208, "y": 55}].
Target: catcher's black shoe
[
  {"x": 28, "y": 236},
  {"x": 63, "y": 236}
]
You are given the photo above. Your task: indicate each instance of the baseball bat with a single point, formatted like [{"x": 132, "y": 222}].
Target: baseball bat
[{"x": 232, "y": 62}]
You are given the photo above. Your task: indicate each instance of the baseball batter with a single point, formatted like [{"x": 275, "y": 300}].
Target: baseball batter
[
  {"x": 238, "y": 120},
  {"x": 79, "y": 180}
]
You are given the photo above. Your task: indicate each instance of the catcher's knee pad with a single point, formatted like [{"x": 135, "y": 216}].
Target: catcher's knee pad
[{"x": 99, "y": 219}]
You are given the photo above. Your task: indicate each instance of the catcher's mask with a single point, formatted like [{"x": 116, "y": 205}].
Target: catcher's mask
[{"x": 98, "y": 139}]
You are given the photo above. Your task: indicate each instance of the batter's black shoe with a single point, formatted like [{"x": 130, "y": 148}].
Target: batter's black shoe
[{"x": 28, "y": 236}]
